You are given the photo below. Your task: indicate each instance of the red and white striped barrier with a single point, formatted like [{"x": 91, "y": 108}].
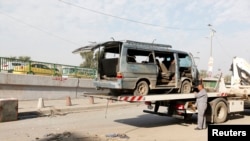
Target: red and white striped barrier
[{"x": 130, "y": 98}]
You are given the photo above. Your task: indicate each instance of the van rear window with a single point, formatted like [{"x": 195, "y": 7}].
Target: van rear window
[{"x": 111, "y": 52}]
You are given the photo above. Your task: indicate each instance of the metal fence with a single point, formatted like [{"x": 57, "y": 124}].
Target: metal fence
[
  {"x": 73, "y": 71},
  {"x": 17, "y": 66}
]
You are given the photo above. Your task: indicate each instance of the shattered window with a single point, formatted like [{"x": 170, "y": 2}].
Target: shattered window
[
  {"x": 138, "y": 56},
  {"x": 185, "y": 61}
]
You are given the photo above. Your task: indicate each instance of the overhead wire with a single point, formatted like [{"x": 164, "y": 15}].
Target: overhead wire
[
  {"x": 126, "y": 19},
  {"x": 224, "y": 50},
  {"x": 37, "y": 28},
  {"x": 98, "y": 12}
]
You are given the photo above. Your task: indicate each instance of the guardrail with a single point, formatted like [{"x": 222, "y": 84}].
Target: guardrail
[{"x": 17, "y": 66}]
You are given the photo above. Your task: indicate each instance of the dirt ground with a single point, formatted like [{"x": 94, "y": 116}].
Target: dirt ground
[{"x": 114, "y": 124}]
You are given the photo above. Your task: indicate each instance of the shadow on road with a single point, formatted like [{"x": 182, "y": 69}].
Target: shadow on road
[
  {"x": 36, "y": 114},
  {"x": 149, "y": 121},
  {"x": 246, "y": 112},
  {"x": 28, "y": 115}
]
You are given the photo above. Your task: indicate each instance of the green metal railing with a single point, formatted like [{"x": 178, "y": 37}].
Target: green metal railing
[
  {"x": 78, "y": 72},
  {"x": 17, "y": 66}
]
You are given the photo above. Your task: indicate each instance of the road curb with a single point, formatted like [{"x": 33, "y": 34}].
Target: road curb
[{"x": 50, "y": 111}]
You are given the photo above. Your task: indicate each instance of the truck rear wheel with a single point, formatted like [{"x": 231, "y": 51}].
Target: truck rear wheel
[
  {"x": 141, "y": 88},
  {"x": 220, "y": 112}
]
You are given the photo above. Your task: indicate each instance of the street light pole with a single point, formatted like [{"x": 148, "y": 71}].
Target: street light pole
[
  {"x": 211, "y": 45},
  {"x": 211, "y": 39},
  {"x": 210, "y": 62}
]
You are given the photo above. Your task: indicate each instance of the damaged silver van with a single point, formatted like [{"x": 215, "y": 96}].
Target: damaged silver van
[{"x": 140, "y": 67}]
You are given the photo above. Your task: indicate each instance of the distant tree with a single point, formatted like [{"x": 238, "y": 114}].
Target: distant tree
[
  {"x": 24, "y": 58},
  {"x": 11, "y": 58},
  {"x": 203, "y": 74},
  {"x": 88, "y": 60}
]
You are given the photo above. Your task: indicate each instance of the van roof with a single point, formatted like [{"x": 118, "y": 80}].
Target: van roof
[
  {"x": 93, "y": 46},
  {"x": 147, "y": 44}
]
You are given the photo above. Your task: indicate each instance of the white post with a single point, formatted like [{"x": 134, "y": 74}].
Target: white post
[{"x": 40, "y": 103}]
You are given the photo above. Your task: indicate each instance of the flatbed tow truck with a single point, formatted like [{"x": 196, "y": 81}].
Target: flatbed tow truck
[{"x": 222, "y": 101}]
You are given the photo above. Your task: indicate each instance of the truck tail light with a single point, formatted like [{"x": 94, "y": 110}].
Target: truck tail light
[
  {"x": 180, "y": 106},
  {"x": 119, "y": 75},
  {"x": 148, "y": 103}
]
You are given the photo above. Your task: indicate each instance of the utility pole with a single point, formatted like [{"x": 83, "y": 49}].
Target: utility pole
[
  {"x": 197, "y": 59},
  {"x": 211, "y": 60}
]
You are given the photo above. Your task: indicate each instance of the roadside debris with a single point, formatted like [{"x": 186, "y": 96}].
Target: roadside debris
[
  {"x": 69, "y": 136},
  {"x": 55, "y": 137},
  {"x": 52, "y": 112},
  {"x": 114, "y": 135}
]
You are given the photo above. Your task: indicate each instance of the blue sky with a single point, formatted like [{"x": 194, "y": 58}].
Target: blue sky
[{"x": 49, "y": 30}]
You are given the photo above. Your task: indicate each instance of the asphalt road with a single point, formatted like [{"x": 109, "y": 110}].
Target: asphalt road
[{"x": 125, "y": 123}]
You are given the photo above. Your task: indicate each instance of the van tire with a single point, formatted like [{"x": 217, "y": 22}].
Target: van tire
[
  {"x": 141, "y": 89},
  {"x": 185, "y": 87}
]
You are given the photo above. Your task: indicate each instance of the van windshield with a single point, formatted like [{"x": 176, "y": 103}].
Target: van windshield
[{"x": 185, "y": 61}]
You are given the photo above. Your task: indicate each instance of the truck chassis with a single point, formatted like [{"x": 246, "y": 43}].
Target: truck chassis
[{"x": 220, "y": 105}]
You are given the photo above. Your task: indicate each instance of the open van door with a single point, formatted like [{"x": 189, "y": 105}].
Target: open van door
[
  {"x": 88, "y": 48},
  {"x": 94, "y": 46}
]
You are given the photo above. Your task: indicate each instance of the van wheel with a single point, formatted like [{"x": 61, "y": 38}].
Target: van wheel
[
  {"x": 141, "y": 89},
  {"x": 185, "y": 87},
  {"x": 220, "y": 112}
]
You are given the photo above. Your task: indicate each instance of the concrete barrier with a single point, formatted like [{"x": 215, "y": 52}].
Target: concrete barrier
[
  {"x": 32, "y": 87},
  {"x": 39, "y": 80},
  {"x": 8, "y": 109}
]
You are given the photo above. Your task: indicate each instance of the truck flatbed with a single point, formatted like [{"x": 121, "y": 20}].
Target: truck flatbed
[{"x": 152, "y": 97}]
